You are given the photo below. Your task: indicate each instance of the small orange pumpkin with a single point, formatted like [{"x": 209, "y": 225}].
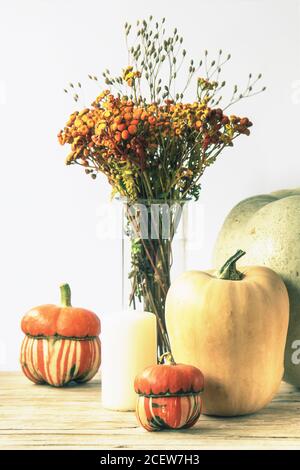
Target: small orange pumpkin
[
  {"x": 61, "y": 343},
  {"x": 169, "y": 395}
]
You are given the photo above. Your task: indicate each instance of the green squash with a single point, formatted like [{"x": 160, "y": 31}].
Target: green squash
[{"x": 267, "y": 227}]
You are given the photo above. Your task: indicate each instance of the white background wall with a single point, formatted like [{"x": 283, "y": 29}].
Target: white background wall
[{"x": 49, "y": 212}]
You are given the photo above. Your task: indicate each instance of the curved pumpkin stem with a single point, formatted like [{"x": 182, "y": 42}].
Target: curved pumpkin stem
[
  {"x": 65, "y": 295},
  {"x": 229, "y": 271},
  {"x": 167, "y": 358}
]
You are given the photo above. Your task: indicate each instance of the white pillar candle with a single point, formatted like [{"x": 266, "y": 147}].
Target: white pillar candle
[{"x": 129, "y": 345}]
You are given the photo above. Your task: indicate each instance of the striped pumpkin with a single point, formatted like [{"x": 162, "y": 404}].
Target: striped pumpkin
[
  {"x": 178, "y": 412},
  {"x": 57, "y": 361},
  {"x": 61, "y": 344},
  {"x": 169, "y": 395}
]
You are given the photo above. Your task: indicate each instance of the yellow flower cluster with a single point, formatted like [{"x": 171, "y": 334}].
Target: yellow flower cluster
[
  {"x": 205, "y": 84},
  {"x": 129, "y": 75}
]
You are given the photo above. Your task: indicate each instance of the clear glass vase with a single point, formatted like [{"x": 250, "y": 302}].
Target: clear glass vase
[{"x": 153, "y": 252}]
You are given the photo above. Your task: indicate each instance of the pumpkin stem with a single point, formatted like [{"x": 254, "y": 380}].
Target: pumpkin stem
[
  {"x": 65, "y": 295},
  {"x": 167, "y": 358},
  {"x": 229, "y": 271}
]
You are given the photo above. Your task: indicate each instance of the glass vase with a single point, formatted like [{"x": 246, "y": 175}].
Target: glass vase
[{"x": 153, "y": 253}]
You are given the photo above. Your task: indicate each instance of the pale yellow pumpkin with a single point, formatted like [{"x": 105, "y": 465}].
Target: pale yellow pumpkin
[
  {"x": 233, "y": 326},
  {"x": 267, "y": 227}
]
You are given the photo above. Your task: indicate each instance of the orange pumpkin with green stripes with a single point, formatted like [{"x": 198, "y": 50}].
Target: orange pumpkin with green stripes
[
  {"x": 169, "y": 396},
  {"x": 61, "y": 343}
]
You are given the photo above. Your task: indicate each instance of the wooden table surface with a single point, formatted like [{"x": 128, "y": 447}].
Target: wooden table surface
[{"x": 43, "y": 417}]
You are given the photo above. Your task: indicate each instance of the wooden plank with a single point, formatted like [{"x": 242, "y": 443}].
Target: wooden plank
[{"x": 43, "y": 417}]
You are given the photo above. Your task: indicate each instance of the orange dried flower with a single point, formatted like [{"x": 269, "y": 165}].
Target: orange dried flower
[
  {"x": 132, "y": 129},
  {"x": 125, "y": 135}
]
